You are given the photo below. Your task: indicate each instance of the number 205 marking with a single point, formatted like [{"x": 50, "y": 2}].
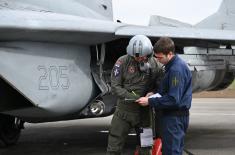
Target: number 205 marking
[{"x": 53, "y": 77}]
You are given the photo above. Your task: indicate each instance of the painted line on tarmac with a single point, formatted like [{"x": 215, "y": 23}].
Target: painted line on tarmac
[
  {"x": 106, "y": 131},
  {"x": 213, "y": 114}
]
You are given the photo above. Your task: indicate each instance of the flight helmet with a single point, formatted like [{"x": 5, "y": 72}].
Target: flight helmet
[{"x": 139, "y": 46}]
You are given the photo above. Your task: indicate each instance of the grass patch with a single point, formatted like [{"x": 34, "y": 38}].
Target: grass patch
[{"x": 232, "y": 86}]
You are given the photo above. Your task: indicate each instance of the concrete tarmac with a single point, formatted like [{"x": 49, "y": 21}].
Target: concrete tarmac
[
  {"x": 211, "y": 132},
  {"x": 212, "y": 124}
]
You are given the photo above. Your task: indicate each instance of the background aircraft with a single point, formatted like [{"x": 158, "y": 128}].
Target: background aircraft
[{"x": 56, "y": 58}]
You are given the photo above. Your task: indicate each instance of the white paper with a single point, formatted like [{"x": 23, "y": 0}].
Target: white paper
[
  {"x": 155, "y": 95},
  {"x": 146, "y": 138}
]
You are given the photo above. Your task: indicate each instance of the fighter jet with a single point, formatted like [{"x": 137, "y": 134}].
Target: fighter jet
[{"x": 56, "y": 57}]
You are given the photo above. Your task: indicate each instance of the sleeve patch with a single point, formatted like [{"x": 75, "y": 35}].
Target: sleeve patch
[
  {"x": 116, "y": 71},
  {"x": 175, "y": 81}
]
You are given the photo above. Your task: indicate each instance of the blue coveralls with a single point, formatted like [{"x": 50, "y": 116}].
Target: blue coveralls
[{"x": 176, "y": 91}]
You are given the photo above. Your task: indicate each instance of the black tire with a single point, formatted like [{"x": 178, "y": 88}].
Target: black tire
[{"x": 9, "y": 131}]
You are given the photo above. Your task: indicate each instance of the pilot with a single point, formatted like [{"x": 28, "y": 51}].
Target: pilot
[
  {"x": 132, "y": 76},
  {"x": 175, "y": 100}
]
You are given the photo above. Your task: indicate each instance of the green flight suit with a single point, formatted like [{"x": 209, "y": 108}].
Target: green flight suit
[{"x": 128, "y": 82}]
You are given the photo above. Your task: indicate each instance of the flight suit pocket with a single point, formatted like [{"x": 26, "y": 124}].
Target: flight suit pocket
[{"x": 121, "y": 115}]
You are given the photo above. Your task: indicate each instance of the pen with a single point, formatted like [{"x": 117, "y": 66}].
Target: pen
[
  {"x": 134, "y": 93},
  {"x": 129, "y": 99}
]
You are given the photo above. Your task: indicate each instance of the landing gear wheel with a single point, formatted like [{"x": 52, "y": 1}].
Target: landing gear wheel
[{"x": 10, "y": 129}]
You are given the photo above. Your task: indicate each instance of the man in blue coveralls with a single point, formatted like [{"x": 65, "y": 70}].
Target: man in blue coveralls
[{"x": 176, "y": 96}]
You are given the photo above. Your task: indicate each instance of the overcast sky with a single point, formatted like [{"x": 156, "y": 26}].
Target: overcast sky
[{"x": 139, "y": 11}]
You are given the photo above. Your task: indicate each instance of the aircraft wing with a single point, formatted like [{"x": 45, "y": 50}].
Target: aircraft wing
[
  {"x": 18, "y": 25},
  {"x": 36, "y": 26},
  {"x": 189, "y": 36}
]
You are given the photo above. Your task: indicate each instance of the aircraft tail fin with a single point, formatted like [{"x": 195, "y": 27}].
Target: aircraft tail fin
[
  {"x": 156, "y": 20},
  {"x": 224, "y": 18},
  {"x": 227, "y": 6}
]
